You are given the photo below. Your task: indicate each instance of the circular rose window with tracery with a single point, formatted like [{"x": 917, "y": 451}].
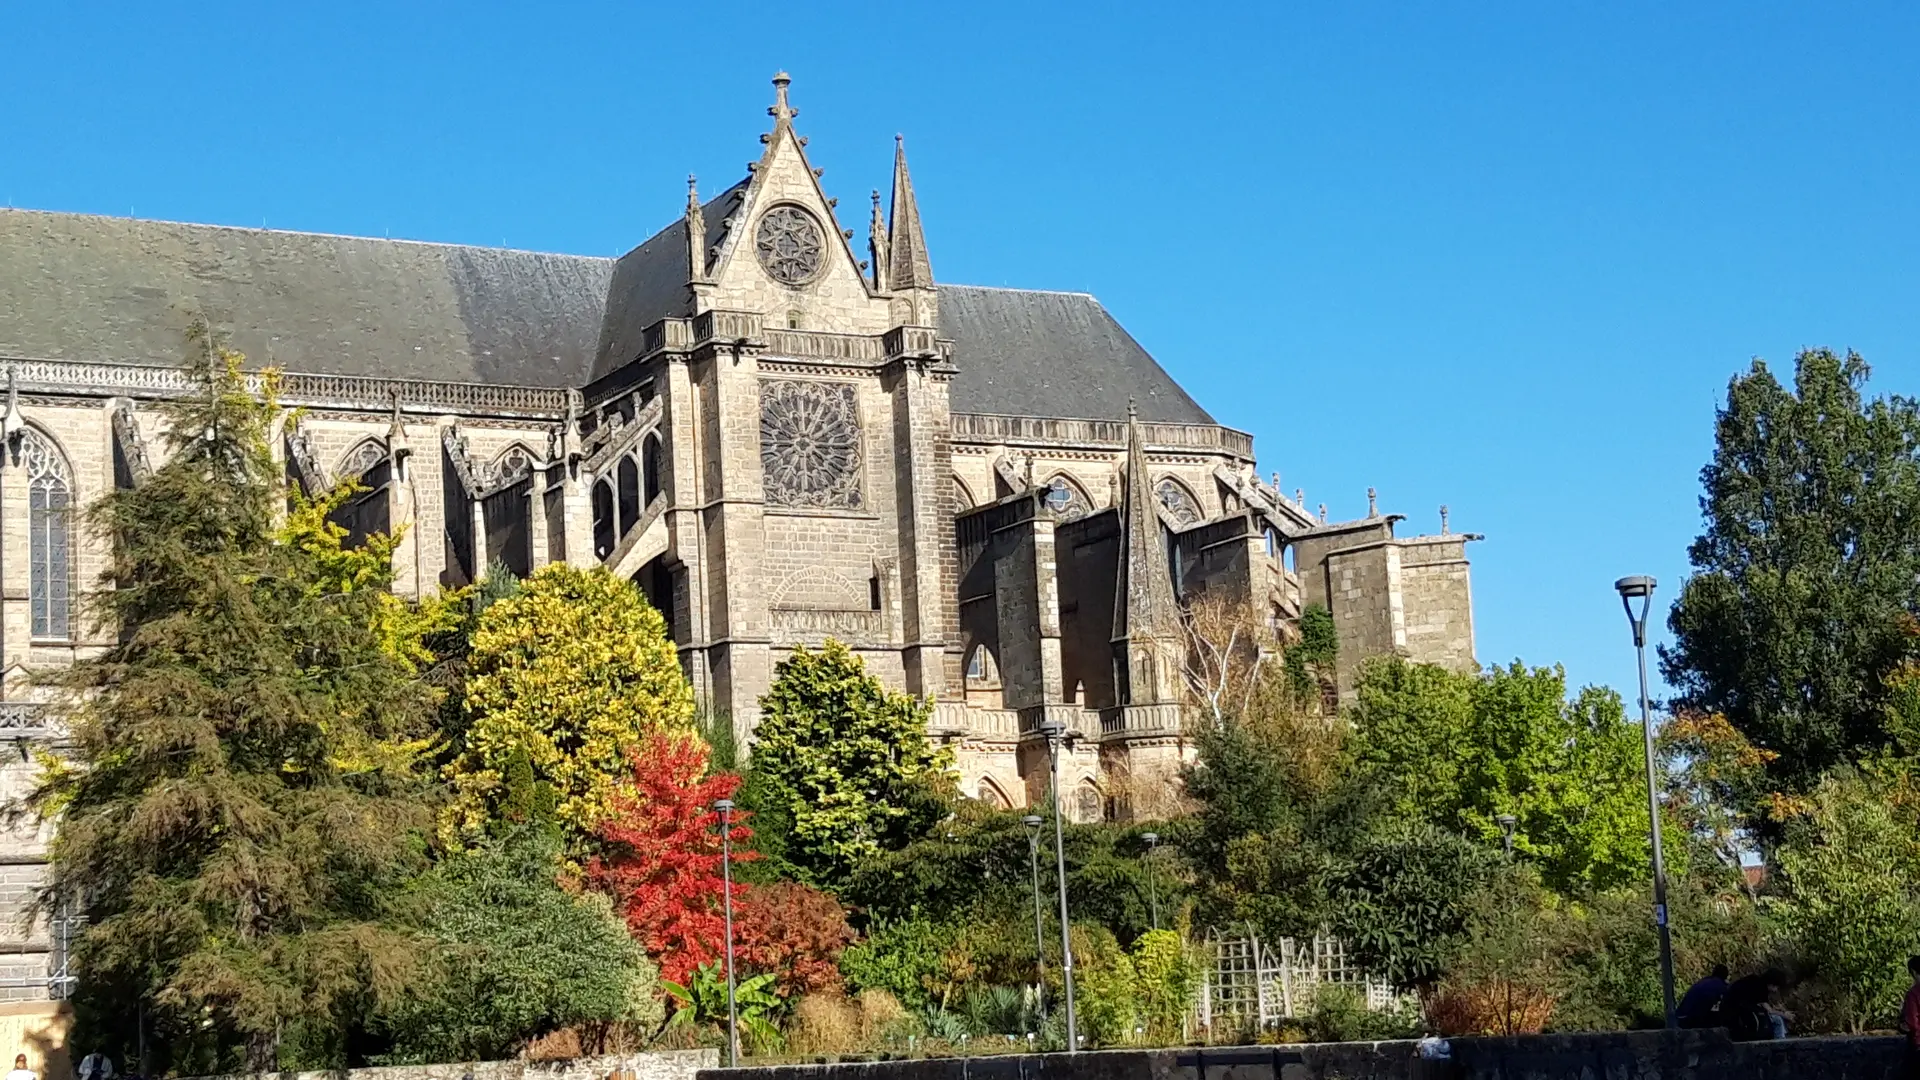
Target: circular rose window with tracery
[
  {"x": 788, "y": 241},
  {"x": 810, "y": 444}
]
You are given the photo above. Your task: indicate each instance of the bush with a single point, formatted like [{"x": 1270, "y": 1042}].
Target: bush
[{"x": 1340, "y": 1014}]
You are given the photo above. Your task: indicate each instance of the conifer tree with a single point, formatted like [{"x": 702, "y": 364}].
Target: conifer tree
[{"x": 246, "y": 793}]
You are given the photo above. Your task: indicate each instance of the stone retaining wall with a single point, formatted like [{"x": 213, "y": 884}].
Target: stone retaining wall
[
  {"x": 1640, "y": 1055},
  {"x": 657, "y": 1065}
]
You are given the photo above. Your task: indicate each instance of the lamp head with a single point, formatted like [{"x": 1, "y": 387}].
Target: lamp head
[
  {"x": 1052, "y": 728},
  {"x": 1506, "y": 823},
  {"x": 724, "y": 806},
  {"x": 1634, "y": 587},
  {"x": 1151, "y": 838},
  {"x": 1031, "y": 821}
]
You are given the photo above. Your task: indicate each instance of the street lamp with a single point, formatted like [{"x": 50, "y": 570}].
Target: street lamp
[
  {"x": 725, "y": 807},
  {"x": 1640, "y": 587},
  {"x": 1033, "y": 823},
  {"x": 1153, "y": 890},
  {"x": 1506, "y": 823},
  {"x": 1055, "y": 732}
]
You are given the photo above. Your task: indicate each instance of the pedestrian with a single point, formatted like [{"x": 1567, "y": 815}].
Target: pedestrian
[
  {"x": 1749, "y": 1011},
  {"x": 1910, "y": 1019},
  {"x": 20, "y": 1070},
  {"x": 96, "y": 1066},
  {"x": 1698, "y": 1009}
]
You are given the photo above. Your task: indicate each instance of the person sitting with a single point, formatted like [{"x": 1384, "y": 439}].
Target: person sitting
[
  {"x": 1748, "y": 1010},
  {"x": 1698, "y": 1008}
]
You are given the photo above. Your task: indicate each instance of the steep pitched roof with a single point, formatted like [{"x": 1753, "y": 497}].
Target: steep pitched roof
[
  {"x": 650, "y": 282},
  {"x": 1028, "y": 353},
  {"x": 86, "y": 288}
]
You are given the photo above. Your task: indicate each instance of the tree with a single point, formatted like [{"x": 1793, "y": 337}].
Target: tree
[
  {"x": 1403, "y": 901},
  {"x": 796, "y": 934},
  {"x": 1460, "y": 750},
  {"x": 848, "y": 762},
  {"x": 1808, "y": 570},
  {"x": 1850, "y": 871},
  {"x": 663, "y": 855},
  {"x": 247, "y": 795},
  {"x": 517, "y": 957},
  {"x": 572, "y": 672}
]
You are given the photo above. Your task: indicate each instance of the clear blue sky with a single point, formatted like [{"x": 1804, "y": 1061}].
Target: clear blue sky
[{"x": 1498, "y": 255}]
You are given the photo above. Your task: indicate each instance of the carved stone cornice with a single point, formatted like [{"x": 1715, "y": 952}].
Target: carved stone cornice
[
  {"x": 68, "y": 378},
  {"x": 1039, "y": 431}
]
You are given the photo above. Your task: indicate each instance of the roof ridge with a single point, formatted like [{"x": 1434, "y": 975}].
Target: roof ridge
[
  {"x": 1017, "y": 289},
  {"x": 300, "y": 232}
]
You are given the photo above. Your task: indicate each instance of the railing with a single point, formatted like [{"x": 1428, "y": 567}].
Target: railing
[
  {"x": 28, "y": 720},
  {"x": 993, "y": 428}
]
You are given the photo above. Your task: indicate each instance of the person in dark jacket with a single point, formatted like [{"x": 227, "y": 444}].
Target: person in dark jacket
[
  {"x": 1748, "y": 1010},
  {"x": 1699, "y": 1008}
]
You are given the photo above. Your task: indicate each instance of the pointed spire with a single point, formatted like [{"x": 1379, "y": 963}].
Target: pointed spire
[
  {"x": 1145, "y": 606},
  {"x": 781, "y": 112},
  {"x": 908, "y": 267},
  {"x": 399, "y": 450},
  {"x": 877, "y": 243},
  {"x": 696, "y": 233}
]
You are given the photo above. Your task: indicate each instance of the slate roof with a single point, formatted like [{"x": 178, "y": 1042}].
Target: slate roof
[
  {"x": 85, "y": 288},
  {"x": 117, "y": 290},
  {"x": 650, "y": 283},
  {"x": 1027, "y": 353}
]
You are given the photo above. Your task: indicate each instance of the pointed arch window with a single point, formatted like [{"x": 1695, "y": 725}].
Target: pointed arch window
[
  {"x": 1087, "y": 807},
  {"x": 1065, "y": 498},
  {"x": 49, "y": 536}
]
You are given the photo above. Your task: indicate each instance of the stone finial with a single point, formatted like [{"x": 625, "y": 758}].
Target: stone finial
[
  {"x": 877, "y": 243},
  {"x": 696, "y": 225},
  {"x": 1373, "y": 504},
  {"x": 1443, "y": 519},
  {"x": 1276, "y": 481},
  {"x": 398, "y": 448},
  {"x": 1300, "y": 497},
  {"x": 1323, "y": 513},
  {"x": 781, "y": 111}
]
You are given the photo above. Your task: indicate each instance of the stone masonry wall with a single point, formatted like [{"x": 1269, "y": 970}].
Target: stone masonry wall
[{"x": 658, "y": 1065}]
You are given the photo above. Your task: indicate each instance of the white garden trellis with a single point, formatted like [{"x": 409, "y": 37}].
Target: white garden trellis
[{"x": 1250, "y": 984}]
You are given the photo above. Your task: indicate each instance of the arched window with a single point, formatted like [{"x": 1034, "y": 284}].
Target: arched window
[
  {"x": 1065, "y": 498},
  {"x": 980, "y": 667},
  {"x": 49, "y": 536},
  {"x": 650, "y": 468},
  {"x": 603, "y": 538},
  {"x": 1178, "y": 502},
  {"x": 962, "y": 498},
  {"x": 990, "y": 795},
  {"x": 629, "y": 480}
]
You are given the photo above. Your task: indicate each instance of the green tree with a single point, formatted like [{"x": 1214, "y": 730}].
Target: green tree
[
  {"x": 1808, "y": 569},
  {"x": 247, "y": 793},
  {"x": 516, "y": 957},
  {"x": 846, "y": 762},
  {"x": 1402, "y": 901},
  {"x": 1460, "y": 750},
  {"x": 571, "y": 673},
  {"x": 1850, "y": 893}
]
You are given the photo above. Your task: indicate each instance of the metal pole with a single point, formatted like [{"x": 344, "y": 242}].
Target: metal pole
[
  {"x": 725, "y": 806},
  {"x": 1055, "y": 732},
  {"x": 1641, "y": 588},
  {"x": 1033, "y": 823}
]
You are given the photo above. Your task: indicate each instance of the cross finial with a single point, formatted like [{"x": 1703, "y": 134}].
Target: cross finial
[
  {"x": 1373, "y": 505},
  {"x": 1443, "y": 519},
  {"x": 780, "y": 110}
]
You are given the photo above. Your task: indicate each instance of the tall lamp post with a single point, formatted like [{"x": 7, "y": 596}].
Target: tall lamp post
[
  {"x": 725, "y": 807},
  {"x": 1153, "y": 889},
  {"x": 1055, "y": 732},
  {"x": 1033, "y": 823},
  {"x": 1640, "y": 587}
]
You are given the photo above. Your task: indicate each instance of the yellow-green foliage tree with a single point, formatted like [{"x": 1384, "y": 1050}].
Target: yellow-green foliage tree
[{"x": 565, "y": 679}]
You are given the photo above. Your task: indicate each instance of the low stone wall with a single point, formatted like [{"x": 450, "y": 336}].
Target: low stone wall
[
  {"x": 1637, "y": 1055},
  {"x": 656, "y": 1065}
]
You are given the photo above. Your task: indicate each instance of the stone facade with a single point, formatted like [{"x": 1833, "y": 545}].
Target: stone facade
[{"x": 995, "y": 496}]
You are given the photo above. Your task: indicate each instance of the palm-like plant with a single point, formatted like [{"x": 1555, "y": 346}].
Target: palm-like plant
[{"x": 702, "y": 1003}]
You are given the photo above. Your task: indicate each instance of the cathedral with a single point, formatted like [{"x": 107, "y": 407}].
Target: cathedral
[{"x": 995, "y": 496}]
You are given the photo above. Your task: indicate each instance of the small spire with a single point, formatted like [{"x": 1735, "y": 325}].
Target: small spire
[
  {"x": 1443, "y": 519},
  {"x": 781, "y": 112},
  {"x": 1323, "y": 513},
  {"x": 1276, "y": 481},
  {"x": 1373, "y": 504},
  {"x": 398, "y": 449},
  {"x": 1133, "y": 410},
  {"x": 696, "y": 233},
  {"x": 1300, "y": 497},
  {"x": 908, "y": 266},
  {"x": 877, "y": 243}
]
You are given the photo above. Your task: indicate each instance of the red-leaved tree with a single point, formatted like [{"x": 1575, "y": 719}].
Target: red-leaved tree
[
  {"x": 663, "y": 856},
  {"x": 795, "y": 932}
]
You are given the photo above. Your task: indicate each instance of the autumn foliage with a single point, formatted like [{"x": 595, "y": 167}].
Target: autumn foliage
[
  {"x": 796, "y": 933},
  {"x": 662, "y": 854}
]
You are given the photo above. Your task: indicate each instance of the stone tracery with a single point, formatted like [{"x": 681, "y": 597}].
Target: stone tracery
[{"x": 810, "y": 443}]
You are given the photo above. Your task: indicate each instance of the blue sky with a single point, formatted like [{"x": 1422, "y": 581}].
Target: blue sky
[{"x": 1502, "y": 256}]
